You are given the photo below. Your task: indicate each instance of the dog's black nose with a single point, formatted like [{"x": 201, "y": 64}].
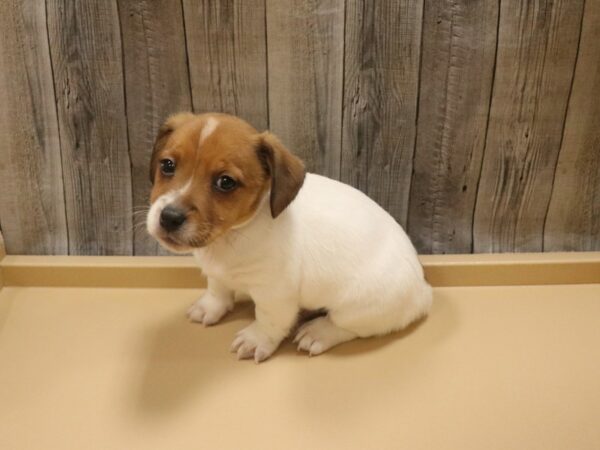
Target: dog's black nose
[{"x": 171, "y": 218}]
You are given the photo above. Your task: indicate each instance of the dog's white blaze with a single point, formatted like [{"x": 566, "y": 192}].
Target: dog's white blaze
[
  {"x": 209, "y": 128},
  {"x": 153, "y": 218}
]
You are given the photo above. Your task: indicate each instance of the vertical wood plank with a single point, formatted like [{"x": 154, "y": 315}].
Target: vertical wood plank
[
  {"x": 31, "y": 191},
  {"x": 157, "y": 84},
  {"x": 306, "y": 57},
  {"x": 381, "y": 69},
  {"x": 535, "y": 65},
  {"x": 85, "y": 48},
  {"x": 227, "y": 57},
  {"x": 459, "y": 49},
  {"x": 573, "y": 221}
]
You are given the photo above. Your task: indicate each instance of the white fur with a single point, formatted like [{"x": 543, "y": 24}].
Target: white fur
[
  {"x": 212, "y": 306},
  {"x": 153, "y": 217},
  {"x": 208, "y": 129},
  {"x": 332, "y": 248}
]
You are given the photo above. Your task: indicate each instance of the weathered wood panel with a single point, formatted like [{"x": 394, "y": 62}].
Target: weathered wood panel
[
  {"x": 534, "y": 68},
  {"x": 306, "y": 57},
  {"x": 2, "y": 253},
  {"x": 498, "y": 152},
  {"x": 157, "y": 84},
  {"x": 381, "y": 71},
  {"x": 573, "y": 221},
  {"x": 32, "y": 207},
  {"x": 227, "y": 57},
  {"x": 458, "y": 56},
  {"x": 85, "y": 48}
]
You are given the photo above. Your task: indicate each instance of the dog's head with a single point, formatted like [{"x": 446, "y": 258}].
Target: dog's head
[{"x": 210, "y": 174}]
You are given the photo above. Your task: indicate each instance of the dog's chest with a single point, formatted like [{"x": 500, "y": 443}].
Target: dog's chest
[{"x": 234, "y": 270}]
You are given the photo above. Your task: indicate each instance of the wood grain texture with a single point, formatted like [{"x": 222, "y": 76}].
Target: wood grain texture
[
  {"x": 85, "y": 48},
  {"x": 474, "y": 123},
  {"x": 306, "y": 57},
  {"x": 381, "y": 69},
  {"x": 458, "y": 55},
  {"x": 32, "y": 206},
  {"x": 536, "y": 53},
  {"x": 227, "y": 57},
  {"x": 573, "y": 221},
  {"x": 2, "y": 252},
  {"x": 157, "y": 84}
]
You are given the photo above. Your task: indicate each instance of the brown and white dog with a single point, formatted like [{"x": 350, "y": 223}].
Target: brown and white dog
[{"x": 261, "y": 227}]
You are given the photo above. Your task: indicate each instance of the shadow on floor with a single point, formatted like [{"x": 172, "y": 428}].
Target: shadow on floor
[{"x": 183, "y": 358}]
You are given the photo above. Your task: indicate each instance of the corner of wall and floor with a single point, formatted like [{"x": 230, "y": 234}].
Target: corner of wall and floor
[{"x": 2, "y": 254}]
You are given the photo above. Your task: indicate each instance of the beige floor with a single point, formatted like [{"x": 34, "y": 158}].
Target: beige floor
[{"x": 492, "y": 368}]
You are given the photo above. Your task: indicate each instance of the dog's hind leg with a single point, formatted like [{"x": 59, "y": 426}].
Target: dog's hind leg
[{"x": 320, "y": 334}]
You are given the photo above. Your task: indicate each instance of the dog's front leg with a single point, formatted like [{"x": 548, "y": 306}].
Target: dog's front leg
[
  {"x": 216, "y": 301},
  {"x": 274, "y": 320}
]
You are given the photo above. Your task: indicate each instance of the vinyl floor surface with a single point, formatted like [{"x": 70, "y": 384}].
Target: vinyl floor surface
[{"x": 491, "y": 368}]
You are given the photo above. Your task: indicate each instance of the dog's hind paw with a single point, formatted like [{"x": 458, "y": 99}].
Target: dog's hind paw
[{"x": 319, "y": 335}]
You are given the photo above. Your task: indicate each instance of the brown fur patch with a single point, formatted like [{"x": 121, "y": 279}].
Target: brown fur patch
[{"x": 258, "y": 162}]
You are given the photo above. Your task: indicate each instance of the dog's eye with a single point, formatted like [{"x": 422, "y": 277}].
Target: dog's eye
[
  {"x": 167, "y": 167},
  {"x": 225, "y": 183}
]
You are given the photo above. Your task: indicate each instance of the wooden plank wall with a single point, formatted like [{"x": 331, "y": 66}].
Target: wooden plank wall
[
  {"x": 526, "y": 122},
  {"x": 32, "y": 202},
  {"x": 474, "y": 123},
  {"x": 305, "y": 47},
  {"x": 380, "y": 103},
  {"x": 573, "y": 220},
  {"x": 87, "y": 65},
  {"x": 152, "y": 92},
  {"x": 457, "y": 72}
]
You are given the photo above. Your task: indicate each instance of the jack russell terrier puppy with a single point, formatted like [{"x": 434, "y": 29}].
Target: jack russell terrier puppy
[{"x": 260, "y": 226}]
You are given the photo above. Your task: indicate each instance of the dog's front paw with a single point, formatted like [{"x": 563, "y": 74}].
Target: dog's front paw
[
  {"x": 252, "y": 342},
  {"x": 209, "y": 309}
]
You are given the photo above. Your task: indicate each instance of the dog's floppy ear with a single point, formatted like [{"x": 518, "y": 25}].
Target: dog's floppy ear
[
  {"x": 162, "y": 136},
  {"x": 285, "y": 169}
]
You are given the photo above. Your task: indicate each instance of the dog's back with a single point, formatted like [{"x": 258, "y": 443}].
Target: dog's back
[{"x": 352, "y": 251}]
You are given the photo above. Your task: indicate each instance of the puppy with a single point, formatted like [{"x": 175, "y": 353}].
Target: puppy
[{"x": 259, "y": 226}]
